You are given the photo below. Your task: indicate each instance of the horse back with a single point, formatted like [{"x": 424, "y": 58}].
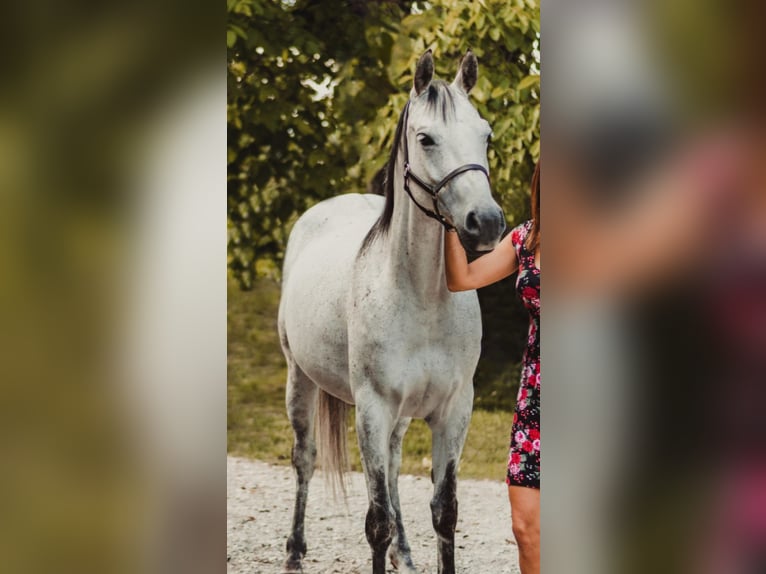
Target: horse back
[{"x": 340, "y": 222}]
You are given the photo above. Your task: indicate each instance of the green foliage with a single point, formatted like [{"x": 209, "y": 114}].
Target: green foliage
[{"x": 315, "y": 90}]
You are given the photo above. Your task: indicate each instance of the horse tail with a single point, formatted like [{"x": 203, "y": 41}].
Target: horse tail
[{"x": 331, "y": 424}]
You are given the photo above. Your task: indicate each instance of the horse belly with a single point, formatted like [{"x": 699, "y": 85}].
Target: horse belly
[{"x": 316, "y": 329}]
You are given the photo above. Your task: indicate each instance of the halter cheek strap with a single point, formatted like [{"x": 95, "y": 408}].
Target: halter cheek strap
[{"x": 432, "y": 190}]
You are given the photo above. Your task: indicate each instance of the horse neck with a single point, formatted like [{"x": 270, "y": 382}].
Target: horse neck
[{"x": 417, "y": 243}]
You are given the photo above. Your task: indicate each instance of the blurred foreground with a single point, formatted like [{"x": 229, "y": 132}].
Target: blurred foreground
[
  {"x": 112, "y": 290},
  {"x": 655, "y": 291}
]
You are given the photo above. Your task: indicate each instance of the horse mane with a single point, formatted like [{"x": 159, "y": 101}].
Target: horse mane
[
  {"x": 386, "y": 184},
  {"x": 382, "y": 183},
  {"x": 439, "y": 94},
  {"x": 376, "y": 186}
]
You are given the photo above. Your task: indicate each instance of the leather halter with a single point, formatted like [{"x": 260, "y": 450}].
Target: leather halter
[{"x": 432, "y": 190}]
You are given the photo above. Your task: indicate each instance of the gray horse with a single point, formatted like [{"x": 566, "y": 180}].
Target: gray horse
[{"x": 366, "y": 318}]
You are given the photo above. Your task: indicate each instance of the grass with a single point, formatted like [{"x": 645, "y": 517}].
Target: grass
[{"x": 257, "y": 421}]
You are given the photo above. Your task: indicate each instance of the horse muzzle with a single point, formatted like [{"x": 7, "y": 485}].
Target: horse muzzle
[{"x": 482, "y": 229}]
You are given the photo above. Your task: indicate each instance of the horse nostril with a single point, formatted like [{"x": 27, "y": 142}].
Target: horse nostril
[{"x": 472, "y": 225}]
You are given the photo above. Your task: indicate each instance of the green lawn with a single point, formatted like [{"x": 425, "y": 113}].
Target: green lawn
[{"x": 257, "y": 422}]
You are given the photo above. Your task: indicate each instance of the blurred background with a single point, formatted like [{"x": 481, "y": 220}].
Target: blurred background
[
  {"x": 112, "y": 160},
  {"x": 315, "y": 92}
]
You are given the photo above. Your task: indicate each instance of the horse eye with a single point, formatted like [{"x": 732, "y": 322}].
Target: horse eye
[{"x": 425, "y": 140}]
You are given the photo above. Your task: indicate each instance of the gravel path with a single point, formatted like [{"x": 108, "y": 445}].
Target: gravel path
[{"x": 260, "y": 502}]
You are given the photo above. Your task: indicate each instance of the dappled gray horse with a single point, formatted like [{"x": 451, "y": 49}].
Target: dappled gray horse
[{"x": 366, "y": 318}]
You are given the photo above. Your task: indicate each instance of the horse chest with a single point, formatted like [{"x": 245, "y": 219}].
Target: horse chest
[
  {"x": 414, "y": 354},
  {"x": 447, "y": 326}
]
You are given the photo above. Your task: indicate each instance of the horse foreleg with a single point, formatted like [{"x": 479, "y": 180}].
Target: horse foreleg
[
  {"x": 448, "y": 436},
  {"x": 374, "y": 427},
  {"x": 301, "y": 403},
  {"x": 399, "y": 551}
]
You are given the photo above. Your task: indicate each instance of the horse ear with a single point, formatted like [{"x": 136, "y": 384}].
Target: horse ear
[
  {"x": 424, "y": 72},
  {"x": 468, "y": 72}
]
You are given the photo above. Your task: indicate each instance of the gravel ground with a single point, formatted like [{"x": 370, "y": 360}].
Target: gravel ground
[{"x": 260, "y": 503}]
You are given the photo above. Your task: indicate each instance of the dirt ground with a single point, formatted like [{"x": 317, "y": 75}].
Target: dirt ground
[{"x": 260, "y": 503}]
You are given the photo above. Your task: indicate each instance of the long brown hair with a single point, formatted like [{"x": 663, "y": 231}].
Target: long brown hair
[{"x": 533, "y": 239}]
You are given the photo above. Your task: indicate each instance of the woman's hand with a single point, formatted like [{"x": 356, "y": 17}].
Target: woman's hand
[{"x": 487, "y": 269}]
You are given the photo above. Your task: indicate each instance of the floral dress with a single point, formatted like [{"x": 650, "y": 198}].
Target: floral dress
[{"x": 524, "y": 455}]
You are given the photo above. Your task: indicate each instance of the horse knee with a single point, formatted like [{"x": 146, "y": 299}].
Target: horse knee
[
  {"x": 379, "y": 527},
  {"x": 303, "y": 457}
]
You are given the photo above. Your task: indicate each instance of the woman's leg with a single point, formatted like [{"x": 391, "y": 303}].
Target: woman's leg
[{"x": 525, "y": 514}]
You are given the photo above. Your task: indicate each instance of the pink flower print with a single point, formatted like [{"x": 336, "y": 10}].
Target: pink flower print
[
  {"x": 536, "y": 444},
  {"x": 527, "y": 446},
  {"x": 528, "y": 372},
  {"x": 520, "y": 437}
]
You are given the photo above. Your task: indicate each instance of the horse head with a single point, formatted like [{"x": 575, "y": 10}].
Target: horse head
[{"x": 445, "y": 154}]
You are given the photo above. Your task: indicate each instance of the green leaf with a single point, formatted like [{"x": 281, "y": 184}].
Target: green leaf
[{"x": 528, "y": 82}]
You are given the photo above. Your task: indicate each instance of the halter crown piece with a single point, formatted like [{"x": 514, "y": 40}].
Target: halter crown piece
[{"x": 432, "y": 190}]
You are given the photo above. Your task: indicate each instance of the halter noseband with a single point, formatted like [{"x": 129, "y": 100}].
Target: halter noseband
[{"x": 432, "y": 190}]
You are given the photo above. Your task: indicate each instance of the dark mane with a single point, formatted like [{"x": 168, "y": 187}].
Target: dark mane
[
  {"x": 439, "y": 96},
  {"x": 384, "y": 221},
  {"x": 376, "y": 186}
]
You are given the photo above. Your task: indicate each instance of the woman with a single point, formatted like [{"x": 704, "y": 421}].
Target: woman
[{"x": 518, "y": 251}]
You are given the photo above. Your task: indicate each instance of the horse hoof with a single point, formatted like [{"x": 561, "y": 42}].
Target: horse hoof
[{"x": 292, "y": 566}]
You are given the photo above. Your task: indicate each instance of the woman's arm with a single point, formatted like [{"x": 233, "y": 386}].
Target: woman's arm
[{"x": 487, "y": 269}]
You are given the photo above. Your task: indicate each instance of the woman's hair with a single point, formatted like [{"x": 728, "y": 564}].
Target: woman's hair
[{"x": 533, "y": 239}]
